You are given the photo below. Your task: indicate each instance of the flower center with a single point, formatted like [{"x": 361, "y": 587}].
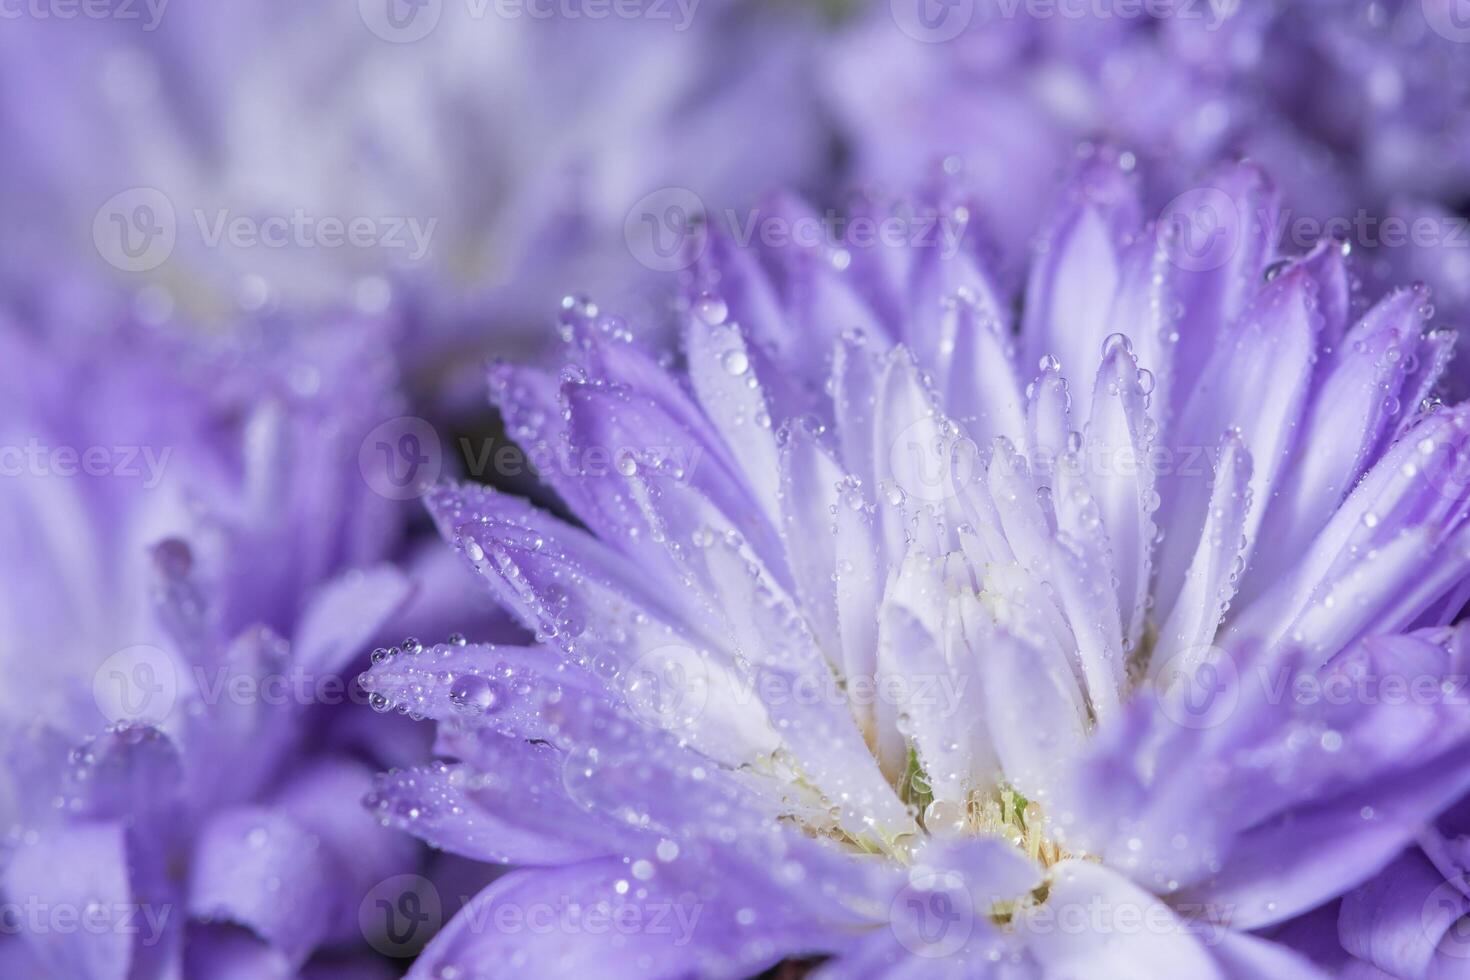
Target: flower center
[{"x": 1002, "y": 813}]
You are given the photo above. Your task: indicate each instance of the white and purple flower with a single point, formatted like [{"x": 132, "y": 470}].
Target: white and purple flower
[
  {"x": 889, "y": 640},
  {"x": 194, "y": 564}
]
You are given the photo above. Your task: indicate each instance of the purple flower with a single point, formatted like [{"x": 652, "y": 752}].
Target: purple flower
[
  {"x": 895, "y": 641},
  {"x": 194, "y": 563},
  {"x": 292, "y": 157}
]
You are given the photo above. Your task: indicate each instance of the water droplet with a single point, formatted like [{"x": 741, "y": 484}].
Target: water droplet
[
  {"x": 710, "y": 309},
  {"x": 735, "y": 362},
  {"x": 474, "y": 694}
]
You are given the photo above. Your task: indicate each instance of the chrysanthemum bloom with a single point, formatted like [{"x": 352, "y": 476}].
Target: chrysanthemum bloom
[
  {"x": 388, "y": 152},
  {"x": 897, "y": 641},
  {"x": 193, "y": 562}
]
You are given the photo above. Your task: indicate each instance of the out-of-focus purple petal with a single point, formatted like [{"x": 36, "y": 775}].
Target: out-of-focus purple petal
[
  {"x": 75, "y": 875},
  {"x": 257, "y": 868}
]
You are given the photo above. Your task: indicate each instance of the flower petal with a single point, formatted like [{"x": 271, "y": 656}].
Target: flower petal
[
  {"x": 257, "y": 868},
  {"x": 68, "y": 871}
]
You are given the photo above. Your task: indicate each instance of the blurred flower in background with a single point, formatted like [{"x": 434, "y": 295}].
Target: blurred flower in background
[
  {"x": 462, "y": 164},
  {"x": 1361, "y": 110},
  {"x": 198, "y": 542}
]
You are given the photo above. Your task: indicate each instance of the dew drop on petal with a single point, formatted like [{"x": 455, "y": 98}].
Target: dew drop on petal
[
  {"x": 735, "y": 362},
  {"x": 473, "y": 694}
]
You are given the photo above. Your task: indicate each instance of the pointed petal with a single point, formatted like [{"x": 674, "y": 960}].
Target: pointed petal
[
  {"x": 1350, "y": 416},
  {"x": 511, "y": 807},
  {"x": 1219, "y": 238},
  {"x": 1118, "y": 443},
  {"x": 1209, "y": 585},
  {"x": 344, "y": 615},
  {"x": 1077, "y": 272},
  {"x": 1257, "y": 383},
  {"x": 724, "y": 371},
  {"x": 1034, "y": 711}
]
